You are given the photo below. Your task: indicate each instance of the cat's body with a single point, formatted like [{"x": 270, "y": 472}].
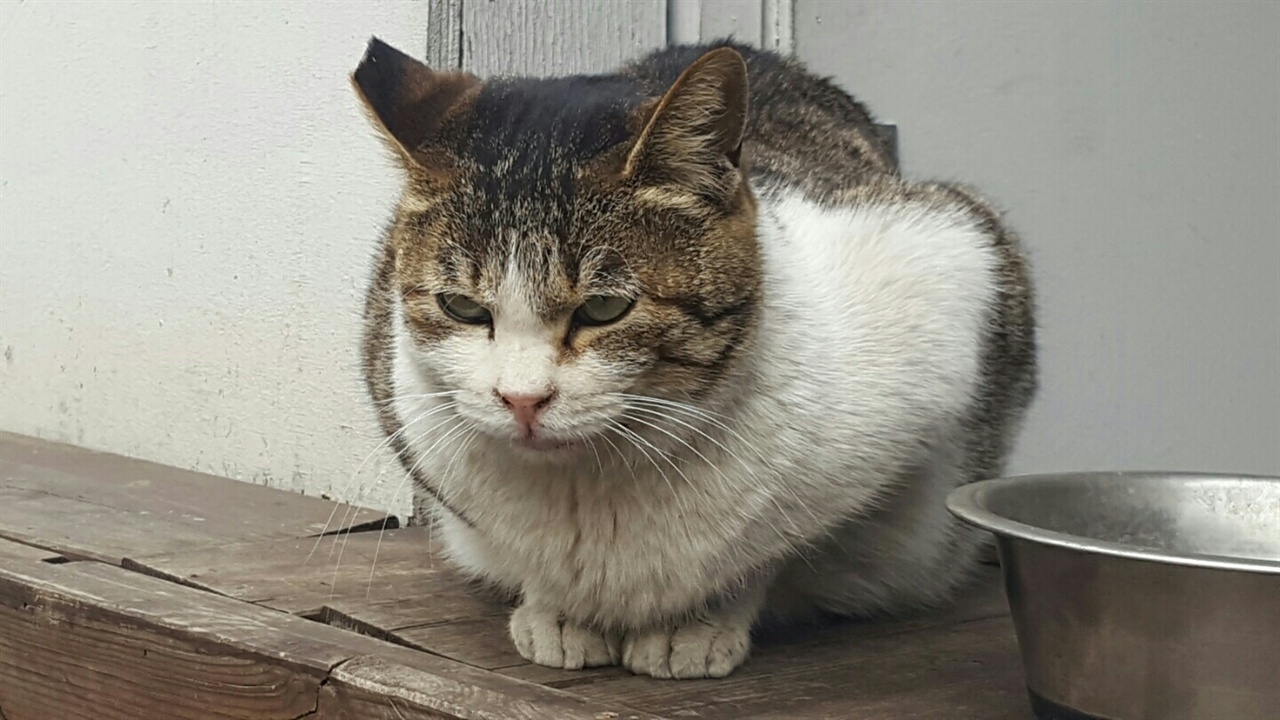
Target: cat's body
[{"x": 806, "y": 370}]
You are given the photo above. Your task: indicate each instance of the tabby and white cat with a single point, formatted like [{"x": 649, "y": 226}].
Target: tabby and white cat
[{"x": 676, "y": 350}]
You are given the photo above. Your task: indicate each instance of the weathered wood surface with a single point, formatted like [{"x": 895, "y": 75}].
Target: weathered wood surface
[
  {"x": 12, "y": 553},
  {"x": 102, "y": 506},
  {"x": 303, "y": 575},
  {"x": 285, "y": 626},
  {"x": 576, "y": 36},
  {"x": 963, "y": 658},
  {"x": 88, "y": 640}
]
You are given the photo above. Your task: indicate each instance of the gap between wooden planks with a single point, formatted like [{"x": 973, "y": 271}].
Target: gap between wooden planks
[
  {"x": 88, "y": 640},
  {"x": 956, "y": 663},
  {"x": 245, "y": 543}
]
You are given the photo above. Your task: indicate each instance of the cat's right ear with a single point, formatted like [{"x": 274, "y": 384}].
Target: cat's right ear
[
  {"x": 693, "y": 137},
  {"x": 409, "y": 102}
]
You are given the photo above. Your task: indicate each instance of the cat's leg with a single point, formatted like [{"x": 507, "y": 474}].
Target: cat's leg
[
  {"x": 543, "y": 636},
  {"x": 538, "y": 629},
  {"x": 712, "y": 643}
]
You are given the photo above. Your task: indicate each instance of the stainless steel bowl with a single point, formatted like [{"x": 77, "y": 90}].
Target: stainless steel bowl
[{"x": 1140, "y": 596}]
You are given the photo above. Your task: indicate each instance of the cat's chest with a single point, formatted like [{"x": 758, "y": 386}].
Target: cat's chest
[{"x": 600, "y": 540}]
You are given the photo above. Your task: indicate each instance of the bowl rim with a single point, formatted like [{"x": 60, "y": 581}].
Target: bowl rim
[{"x": 968, "y": 502}]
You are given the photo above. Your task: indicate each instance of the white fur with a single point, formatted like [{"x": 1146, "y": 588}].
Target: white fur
[{"x": 868, "y": 356}]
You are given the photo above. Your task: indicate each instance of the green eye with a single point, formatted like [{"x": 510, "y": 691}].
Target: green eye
[
  {"x": 602, "y": 310},
  {"x": 463, "y": 309}
]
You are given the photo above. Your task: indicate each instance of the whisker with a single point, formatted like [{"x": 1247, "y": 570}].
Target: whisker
[
  {"x": 416, "y": 396},
  {"x": 362, "y": 493},
  {"x": 419, "y": 438},
  {"x": 621, "y": 456},
  {"x": 338, "y": 564},
  {"x": 378, "y": 546},
  {"x": 635, "y": 439},
  {"x": 387, "y": 441},
  {"x": 750, "y": 474},
  {"x": 592, "y": 444}
]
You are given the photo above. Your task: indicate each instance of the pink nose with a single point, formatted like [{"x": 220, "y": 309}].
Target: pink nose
[{"x": 526, "y": 407}]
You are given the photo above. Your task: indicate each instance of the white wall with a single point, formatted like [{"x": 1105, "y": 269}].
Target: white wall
[
  {"x": 189, "y": 200},
  {"x": 1136, "y": 146}
]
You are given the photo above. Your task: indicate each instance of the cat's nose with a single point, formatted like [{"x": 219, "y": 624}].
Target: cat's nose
[{"x": 525, "y": 407}]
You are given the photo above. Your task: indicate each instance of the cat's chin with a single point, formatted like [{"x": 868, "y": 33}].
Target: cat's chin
[{"x": 548, "y": 449}]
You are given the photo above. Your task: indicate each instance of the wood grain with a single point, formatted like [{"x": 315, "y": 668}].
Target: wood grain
[
  {"x": 201, "y": 622},
  {"x": 407, "y": 585},
  {"x": 966, "y": 670},
  {"x": 106, "y": 506},
  {"x": 444, "y": 34},
  {"x": 573, "y": 36},
  {"x": 740, "y": 19},
  {"x": 88, "y": 640},
  {"x": 69, "y": 648},
  {"x": 373, "y": 684},
  {"x": 12, "y": 553}
]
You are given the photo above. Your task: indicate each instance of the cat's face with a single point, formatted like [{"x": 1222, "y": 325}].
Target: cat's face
[{"x": 567, "y": 248}]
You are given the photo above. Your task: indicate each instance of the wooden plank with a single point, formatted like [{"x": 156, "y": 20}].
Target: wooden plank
[
  {"x": 372, "y": 687},
  {"x": 967, "y": 670},
  {"x": 984, "y": 599},
  {"x": 572, "y": 36},
  {"x": 105, "y": 506},
  {"x": 88, "y": 640},
  {"x": 481, "y": 642},
  {"x": 743, "y": 20},
  {"x": 444, "y": 34},
  {"x": 78, "y": 643},
  {"x": 407, "y": 581},
  {"x": 961, "y": 662},
  {"x": 88, "y": 530},
  {"x": 12, "y": 553},
  {"x": 416, "y": 600}
]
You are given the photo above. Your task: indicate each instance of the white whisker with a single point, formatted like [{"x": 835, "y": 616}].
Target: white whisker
[
  {"x": 409, "y": 475},
  {"x": 352, "y": 505},
  {"x": 338, "y": 502}
]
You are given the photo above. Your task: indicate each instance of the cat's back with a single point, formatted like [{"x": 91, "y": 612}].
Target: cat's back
[{"x": 803, "y": 131}]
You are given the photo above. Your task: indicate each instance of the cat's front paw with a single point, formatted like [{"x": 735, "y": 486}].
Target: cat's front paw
[
  {"x": 699, "y": 649},
  {"x": 543, "y": 638}
]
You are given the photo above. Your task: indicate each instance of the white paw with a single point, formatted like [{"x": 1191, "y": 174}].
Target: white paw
[
  {"x": 699, "y": 649},
  {"x": 543, "y": 638}
]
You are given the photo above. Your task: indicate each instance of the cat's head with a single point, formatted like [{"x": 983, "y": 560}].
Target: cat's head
[{"x": 566, "y": 246}]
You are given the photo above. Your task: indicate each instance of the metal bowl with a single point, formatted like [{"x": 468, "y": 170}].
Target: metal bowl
[{"x": 1140, "y": 596}]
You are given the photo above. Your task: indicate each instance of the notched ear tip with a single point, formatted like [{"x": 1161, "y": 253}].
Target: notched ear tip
[
  {"x": 384, "y": 72},
  {"x": 377, "y": 49},
  {"x": 398, "y": 91}
]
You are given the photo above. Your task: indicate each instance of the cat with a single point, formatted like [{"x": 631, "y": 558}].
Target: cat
[{"x": 677, "y": 351}]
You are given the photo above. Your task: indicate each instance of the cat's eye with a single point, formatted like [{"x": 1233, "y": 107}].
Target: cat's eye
[
  {"x": 463, "y": 309},
  {"x": 602, "y": 310}
]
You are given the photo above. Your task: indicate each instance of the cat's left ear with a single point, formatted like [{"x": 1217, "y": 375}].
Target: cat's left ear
[
  {"x": 693, "y": 138},
  {"x": 409, "y": 102}
]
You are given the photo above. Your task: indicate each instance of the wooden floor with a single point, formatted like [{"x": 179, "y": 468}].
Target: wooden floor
[{"x": 131, "y": 590}]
